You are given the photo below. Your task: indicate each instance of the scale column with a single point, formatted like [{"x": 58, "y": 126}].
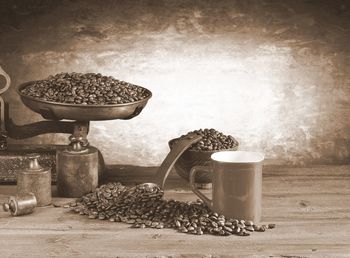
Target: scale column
[{"x": 77, "y": 168}]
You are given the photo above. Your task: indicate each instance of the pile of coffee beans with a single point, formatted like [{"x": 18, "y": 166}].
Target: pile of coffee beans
[
  {"x": 213, "y": 140},
  {"x": 89, "y": 89},
  {"x": 143, "y": 206}
]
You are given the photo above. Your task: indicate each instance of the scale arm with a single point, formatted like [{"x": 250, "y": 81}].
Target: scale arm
[{"x": 43, "y": 127}]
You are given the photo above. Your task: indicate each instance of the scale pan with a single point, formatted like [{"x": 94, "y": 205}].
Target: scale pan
[{"x": 80, "y": 112}]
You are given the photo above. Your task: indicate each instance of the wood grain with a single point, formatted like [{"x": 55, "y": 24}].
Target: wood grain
[{"x": 311, "y": 207}]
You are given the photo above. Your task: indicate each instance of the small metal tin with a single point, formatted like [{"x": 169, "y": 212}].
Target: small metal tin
[
  {"x": 35, "y": 179},
  {"x": 21, "y": 204}
]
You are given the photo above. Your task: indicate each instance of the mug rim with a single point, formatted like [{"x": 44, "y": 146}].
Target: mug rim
[{"x": 259, "y": 157}]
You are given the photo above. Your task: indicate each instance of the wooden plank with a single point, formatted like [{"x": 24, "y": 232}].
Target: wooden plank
[{"x": 310, "y": 206}]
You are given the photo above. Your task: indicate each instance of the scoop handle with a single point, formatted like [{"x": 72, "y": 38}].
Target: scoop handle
[{"x": 177, "y": 149}]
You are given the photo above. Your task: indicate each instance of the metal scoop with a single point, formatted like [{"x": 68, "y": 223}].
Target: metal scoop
[{"x": 177, "y": 149}]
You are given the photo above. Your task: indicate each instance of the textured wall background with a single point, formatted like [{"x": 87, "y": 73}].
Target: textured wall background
[{"x": 274, "y": 74}]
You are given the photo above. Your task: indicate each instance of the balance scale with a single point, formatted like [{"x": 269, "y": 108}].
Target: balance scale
[{"x": 78, "y": 157}]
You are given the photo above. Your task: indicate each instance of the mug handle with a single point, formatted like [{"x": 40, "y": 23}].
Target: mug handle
[{"x": 193, "y": 173}]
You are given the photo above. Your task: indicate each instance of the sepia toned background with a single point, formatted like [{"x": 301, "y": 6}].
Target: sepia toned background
[{"x": 274, "y": 74}]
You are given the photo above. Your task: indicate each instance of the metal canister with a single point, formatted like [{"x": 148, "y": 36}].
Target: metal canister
[
  {"x": 35, "y": 179},
  {"x": 20, "y": 204},
  {"x": 77, "y": 169}
]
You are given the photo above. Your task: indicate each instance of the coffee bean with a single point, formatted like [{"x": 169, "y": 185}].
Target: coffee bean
[
  {"x": 145, "y": 207},
  {"x": 249, "y": 223},
  {"x": 243, "y": 233},
  {"x": 213, "y": 140},
  {"x": 270, "y": 226},
  {"x": 199, "y": 232},
  {"x": 221, "y": 223},
  {"x": 184, "y": 230},
  {"x": 216, "y": 230},
  {"x": 73, "y": 204},
  {"x": 261, "y": 229},
  {"x": 88, "y": 89},
  {"x": 154, "y": 224},
  {"x": 250, "y": 228},
  {"x": 223, "y": 233},
  {"x": 228, "y": 229},
  {"x": 214, "y": 224},
  {"x": 256, "y": 227},
  {"x": 264, "y": 227},
  {"x": 190, "y": 228},
  {"x": 242, "y": 226},
  {"x": 160, "y": 226}
]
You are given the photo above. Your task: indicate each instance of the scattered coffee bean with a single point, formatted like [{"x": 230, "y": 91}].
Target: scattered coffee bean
[
  {"x": 270, "y": 226},
  {"x": 190, "y": 228},
  {"x": 160, "y": 226},
  {"x": 92, "y": 216},
  {"x": 145, "y": 207},
  {"x": 184, "y": 230},
  {"x": 249, "y": 228},
  {"x": 243, "y": 233},
  {"x": 256, "y": 228},
  {"x": 249, "y": 223},
  {"x": 200, "y": 232}
]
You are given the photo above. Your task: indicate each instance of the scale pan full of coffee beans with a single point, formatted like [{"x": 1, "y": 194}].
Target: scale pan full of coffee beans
[{"x": 84, "y": 97}]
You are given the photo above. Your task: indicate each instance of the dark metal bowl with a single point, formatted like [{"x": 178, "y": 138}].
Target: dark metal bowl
[
  {"x": 191, "y": 158},
  {"x": 80, "y": 112}
]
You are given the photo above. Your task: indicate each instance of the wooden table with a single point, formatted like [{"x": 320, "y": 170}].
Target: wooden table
[{"x": 310, "y": 206}]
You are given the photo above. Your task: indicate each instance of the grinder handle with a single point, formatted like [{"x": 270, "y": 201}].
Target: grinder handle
[{"x": 177, "y": 149}]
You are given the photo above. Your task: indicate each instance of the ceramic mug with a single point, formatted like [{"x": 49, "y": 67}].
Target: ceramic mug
[{"x": 237, "y": 184}]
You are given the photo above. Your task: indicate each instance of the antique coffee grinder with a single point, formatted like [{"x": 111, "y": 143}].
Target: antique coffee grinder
[{"x": 78, "y": 165}]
